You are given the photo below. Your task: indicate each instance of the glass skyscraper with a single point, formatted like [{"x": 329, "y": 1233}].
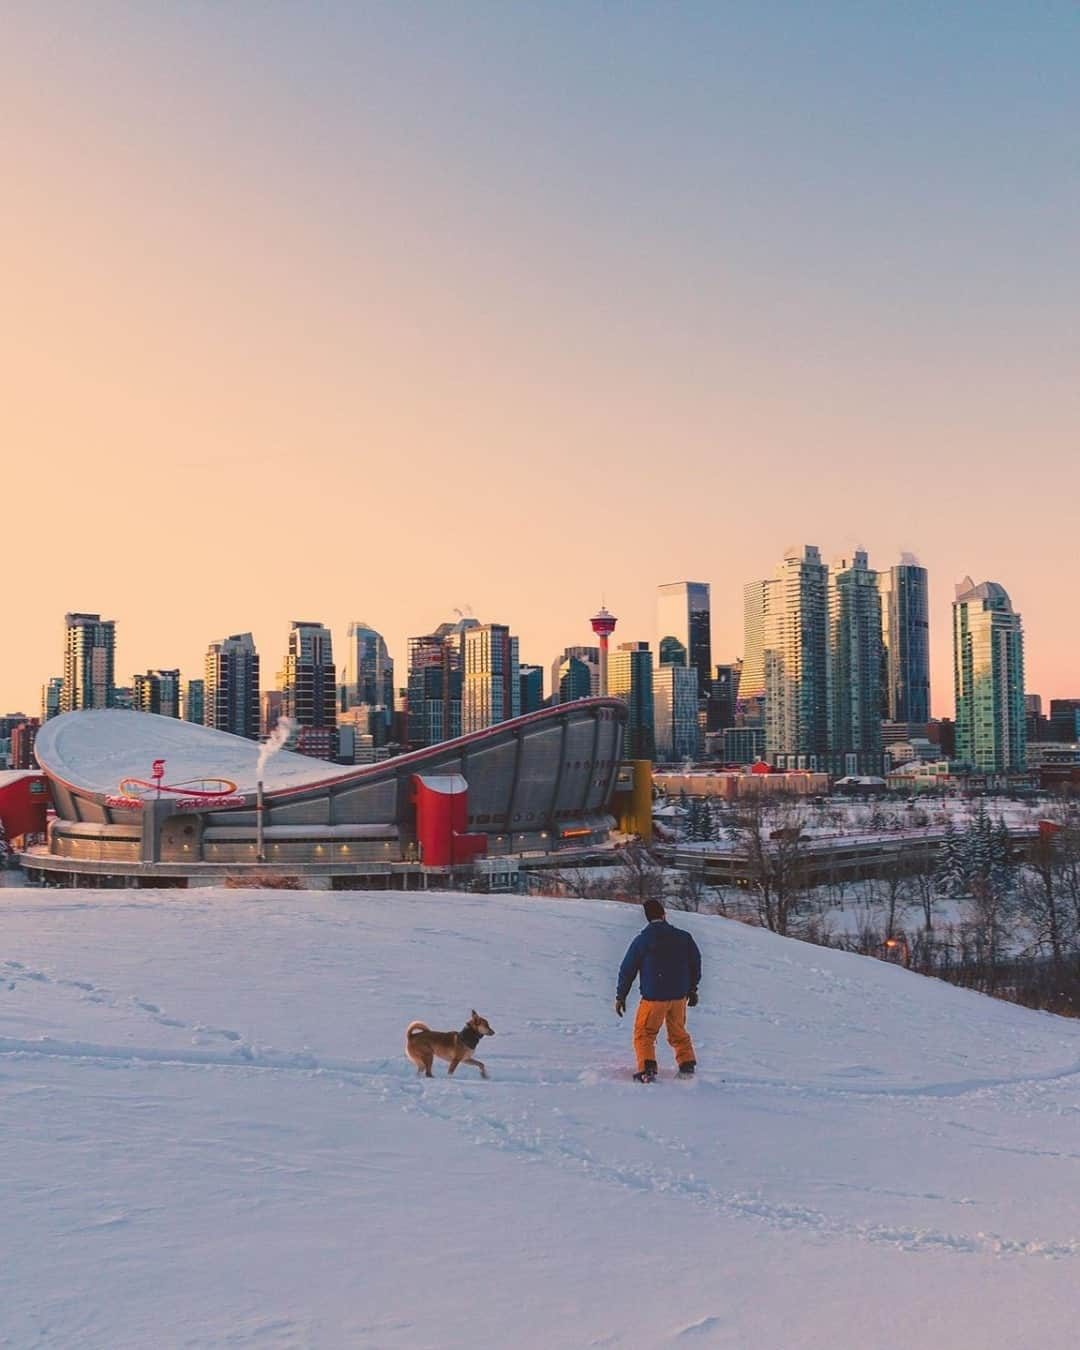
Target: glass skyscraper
[
  {"x": 436, "y": 673},
  {"x": 573, "y": 678},
  {"x": 532, "y": 688},
  {"x": 683, "y": 613},
  {"x": 195, "y": 701},
  {"x": 750, "y": 705},
  {"x": 988, "y": 666},
  {"x": 905, "y": 626},
  {"x": 675, "y": 713},
  {"x": 566, "y": 674},
  {"x": 854, "y": 667},
  {"x": 795, "y": 631},
  {"x": 371, "y": 670},
  {"x": 630, "y": 677},
  {"x": 51, "y": 697}
]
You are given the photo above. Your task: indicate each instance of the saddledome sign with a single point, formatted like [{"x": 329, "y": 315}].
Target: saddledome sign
[{"x": 194, "y": 794}]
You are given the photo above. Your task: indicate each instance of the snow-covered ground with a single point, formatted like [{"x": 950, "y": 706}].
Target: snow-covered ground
[
  {"x": 859, "y": 822},
  {"x": 209, "y": 1136}
]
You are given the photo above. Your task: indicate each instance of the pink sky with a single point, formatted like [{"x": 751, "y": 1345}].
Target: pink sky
[{"x": 362, "y": 320}]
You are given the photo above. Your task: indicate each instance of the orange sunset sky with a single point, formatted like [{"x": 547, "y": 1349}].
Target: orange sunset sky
[{"x": 368, "y": 311}]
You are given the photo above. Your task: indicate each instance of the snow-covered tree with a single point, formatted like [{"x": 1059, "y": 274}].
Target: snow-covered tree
[{"x": 950, "y": 877}]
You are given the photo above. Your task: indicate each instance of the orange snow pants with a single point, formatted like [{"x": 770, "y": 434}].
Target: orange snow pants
[{"x": 652, "y": 1014}]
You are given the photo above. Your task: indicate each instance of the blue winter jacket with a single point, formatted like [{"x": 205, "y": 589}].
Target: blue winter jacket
[{"x": 668, "y": 960}]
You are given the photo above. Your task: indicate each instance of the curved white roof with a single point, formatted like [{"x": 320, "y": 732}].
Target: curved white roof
[
  {"x": 95, "y": 750},
  {"x": 445, "y": 783}
]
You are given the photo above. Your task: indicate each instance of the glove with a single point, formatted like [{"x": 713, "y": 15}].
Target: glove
[
  {"x": 620, "y": 1006},
  {"x": 691, "y": 999}
]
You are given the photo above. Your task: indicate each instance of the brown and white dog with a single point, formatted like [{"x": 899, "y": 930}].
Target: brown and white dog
[{"x": 422, "y": 1044}]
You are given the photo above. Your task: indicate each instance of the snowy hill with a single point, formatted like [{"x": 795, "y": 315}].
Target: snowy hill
[{"x": 209, "y": 1136}]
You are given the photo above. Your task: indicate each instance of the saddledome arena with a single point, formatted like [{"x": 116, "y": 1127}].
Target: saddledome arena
[{"x": 540, "y": 784}]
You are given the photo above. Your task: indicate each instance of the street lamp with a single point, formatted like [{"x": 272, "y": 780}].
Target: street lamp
[{"x": 898, "y": 944}]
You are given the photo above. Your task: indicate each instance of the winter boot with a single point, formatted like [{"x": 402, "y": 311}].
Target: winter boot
[
  {"x": 687, "y": 1070},
  {"x": 648, "y": 1073}
]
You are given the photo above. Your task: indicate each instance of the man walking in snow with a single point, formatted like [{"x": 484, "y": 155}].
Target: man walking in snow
[{"x": 669, "y": 964}]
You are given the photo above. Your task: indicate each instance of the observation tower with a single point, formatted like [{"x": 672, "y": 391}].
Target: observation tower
[{"x": 603, "y": 625}]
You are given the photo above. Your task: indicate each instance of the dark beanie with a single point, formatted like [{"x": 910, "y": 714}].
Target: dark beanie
[{"x": 653, "y": 910}]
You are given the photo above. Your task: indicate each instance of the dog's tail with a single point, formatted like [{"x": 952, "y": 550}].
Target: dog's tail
[{"x": 415, "y": 1026}]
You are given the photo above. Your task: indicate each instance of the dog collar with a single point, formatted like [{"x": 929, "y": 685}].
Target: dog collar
[{"x": 470, "y": 1036}]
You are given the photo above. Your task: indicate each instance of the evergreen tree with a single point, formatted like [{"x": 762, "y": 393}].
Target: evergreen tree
[
  {"x": 980, "y": 850},
  {"x": 950, "y": 869},
  {"x": 692, "y": 826},
  {"x": 1003, "y": 874}
]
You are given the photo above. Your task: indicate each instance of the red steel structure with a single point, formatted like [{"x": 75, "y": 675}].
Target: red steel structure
[
  {"x": 442, "y": 821},
  {"x": 24, "y": 803}
]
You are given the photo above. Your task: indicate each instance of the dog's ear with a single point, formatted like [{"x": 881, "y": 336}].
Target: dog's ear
[{"x": 476, "y": 1014}]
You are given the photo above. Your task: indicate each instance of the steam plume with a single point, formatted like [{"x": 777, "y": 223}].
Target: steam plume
[{"x": 273, "y": 743}]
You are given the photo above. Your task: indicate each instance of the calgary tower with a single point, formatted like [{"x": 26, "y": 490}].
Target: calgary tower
[{"x": 603, "y": 625}]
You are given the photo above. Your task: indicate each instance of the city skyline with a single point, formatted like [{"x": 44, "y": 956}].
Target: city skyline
[
  {"x": 942, "y": 681},
  {"x": 679, "y": 287}
]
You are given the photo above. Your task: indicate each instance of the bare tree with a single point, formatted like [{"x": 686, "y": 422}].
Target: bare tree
[
  {"x": 639, "y": 877},
  {"x": 586, "y": 883},
  {"x": 1047, "y": 908},
  {"x": 896, "y": 875},
  {"x": 924, "y": 890},
  {"x": 691, "y": 891},
  {"x": 768, "y": 837}
]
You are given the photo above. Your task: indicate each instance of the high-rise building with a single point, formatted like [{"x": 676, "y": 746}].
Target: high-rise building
[
  {"x": 589, "y": 657},
  {"x": 363, "y": 721},
  {"x": 532, "y": 688},
  {"x": 308, "y": 682},
  {"x": 51, "y": 697},
  {"x": 742, "y": 745},
  {"x": 673, "y": 653},
  {"x": 723, "y": 701},
  {"x": 436, "y": 671},
  {"x": 269, "y": 710},
  {"x": 683, "y": 612},
  {"x": 9, "y": 722},
  {"x": 23, "y": 735},
  {"x": 572, "y": 678},
  {"x": 905, "y": 624},
  {"x": 795, "y": 642},
  {"x": 362, "y": 735},
  {"x": 854, "y": 667},
  {"x": 630, "y": 677},
  {"x": 675, "y": 713},
  {"x": 231, "y": 686},
  {"x": 988, "y": 665},
  {"x": 158, "y": 691},
  {"x": 750, "y": 708},
  {"x": 491, "y": 690},
  {"x": 369, "y": 680},
  {"x": 89, "y": 663},
  {"x": 1064, "y": 719},
  {"x": 195, "y": 702}
]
